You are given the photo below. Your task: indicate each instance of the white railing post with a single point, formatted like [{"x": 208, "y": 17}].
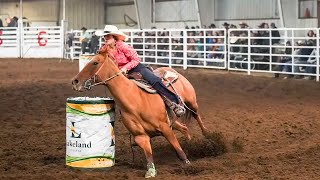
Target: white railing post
[
  {"x": 205, "y": 47},
  {"x": 170, "y": 49},
  {"x": 270, "y": 50},
  {"x": 20, "y": 37},
  {"x": 293, "y": 44},
  {"x": 317, "y": 56},
  {"x": 225, "y": 40},
  {"x": 249, "y": 52},
  {"x": 131, "y": 38},
  {"x": 156, "y": 46},
  {"x": 143, "y": 35},
  {"x": 62, "y": 31},
  {"x": 185, "y": 48}
]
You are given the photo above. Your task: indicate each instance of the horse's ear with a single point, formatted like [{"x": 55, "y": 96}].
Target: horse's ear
[{"x": 102, "y": 56}]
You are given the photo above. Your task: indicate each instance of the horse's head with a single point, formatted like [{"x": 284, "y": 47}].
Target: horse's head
[{"x": 94, "y": 73}]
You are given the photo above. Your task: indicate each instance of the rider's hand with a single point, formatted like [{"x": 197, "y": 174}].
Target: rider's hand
[{"x": 124, "y": 70}]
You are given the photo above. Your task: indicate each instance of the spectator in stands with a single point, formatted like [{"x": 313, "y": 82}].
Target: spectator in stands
[
  {"x": 14, "y": 21},
  {"x": 25, "y": 22},
  {"x": 274, "y": 34},
  {"x": 311, "y": 36},
  {"x": 284, "y": 59},
  {"x": 11, "y": 22},
  {"x": 311, "y": 69},
  {"x": 305, "y": 51},
  {"x": 297, "y": 60},
  {"x": 1, "y": 24},
  {"x": 70, "y": 38},
  {"x": 219, "y": 47},
  {"x": 262, "y": 33},
  {"x": 275, "y": 39},
  {"x": 200, "y": 43},
  {"x": 242, "y": 25},
  {"x": 209, "y": 38},
  {"x": 94, "y": 43},
  {"x": 176, "y": 47},
  {"x": 193, "y": 54},
  {"x": 226, "y": 25},
  {"x": 212, "y": 26},
  {"x": 163, "y": 41},
  {"x": 138, "y": 42},
  {"x": 211, "y": 55},
  {"x": 84, "y": 39}
]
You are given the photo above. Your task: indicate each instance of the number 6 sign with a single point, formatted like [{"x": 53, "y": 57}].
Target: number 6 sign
[{"x": 41, "y": 40}]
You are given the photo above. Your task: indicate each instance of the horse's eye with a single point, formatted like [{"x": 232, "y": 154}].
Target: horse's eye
[{"x": 95, "y": 63}]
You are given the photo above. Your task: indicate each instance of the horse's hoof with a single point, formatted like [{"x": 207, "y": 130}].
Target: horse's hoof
[
  {"x": 152, "y": 172},
  {"x": 187, "y": 162}
]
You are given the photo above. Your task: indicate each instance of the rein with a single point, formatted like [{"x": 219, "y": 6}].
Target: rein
[{"x": 105, "y": 81}]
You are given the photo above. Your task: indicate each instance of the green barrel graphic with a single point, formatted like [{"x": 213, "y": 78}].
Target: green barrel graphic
[{"x": 90, "y": 138}]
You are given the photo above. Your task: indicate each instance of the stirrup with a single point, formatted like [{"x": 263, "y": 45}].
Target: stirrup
[{"x": 177, "y": 109}]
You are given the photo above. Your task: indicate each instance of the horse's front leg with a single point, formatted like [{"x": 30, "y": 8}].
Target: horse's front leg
[
  {"x": 144, "y": 142},
  {"x": 171, "y": 137}
]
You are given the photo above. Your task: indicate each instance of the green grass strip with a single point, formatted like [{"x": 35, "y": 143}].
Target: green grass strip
[{"x": 70, "y": 159}]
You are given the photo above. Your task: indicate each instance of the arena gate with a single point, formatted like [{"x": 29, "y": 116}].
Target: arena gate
[
  {"x": 9, "y": 43},
  {"x": 32, "y": 42}
]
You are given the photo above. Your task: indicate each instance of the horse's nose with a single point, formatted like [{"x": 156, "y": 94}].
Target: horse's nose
[{"x": 75, "y": 81}]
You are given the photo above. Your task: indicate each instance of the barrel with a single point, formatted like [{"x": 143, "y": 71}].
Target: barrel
[
  {"x": 90, "y": 138},
  {"x": 84, "y": 59}
]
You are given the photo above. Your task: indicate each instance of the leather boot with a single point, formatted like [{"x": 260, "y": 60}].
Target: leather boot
[
  {"x": 176, "y": 108},
  {"x": 169, "y": 98}
]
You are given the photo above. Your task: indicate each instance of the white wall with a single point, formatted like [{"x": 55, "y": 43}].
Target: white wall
[
  {"x": 175, "y": 14},
  {"x": 145, "y": 16},
  {"x": 115, "y": 15},
  {"x": 38, "y": 11},
  {"x": 290, "y": 13},
  {"x": 245, "y": 9},
  {"x": 85, "y": 13}
]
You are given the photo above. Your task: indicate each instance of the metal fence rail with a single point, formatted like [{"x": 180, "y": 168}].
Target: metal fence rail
[
  {"x": 289, "y": 55},
  {"x": 184, "y": 48}
]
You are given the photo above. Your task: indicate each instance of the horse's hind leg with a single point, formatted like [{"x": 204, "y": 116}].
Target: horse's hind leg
[
  {"x": 144, "y": 142},
  {"x": 171, "y": 137},
  {"x": 182, "y": 128},
  {"x": 194, "y": 106}
]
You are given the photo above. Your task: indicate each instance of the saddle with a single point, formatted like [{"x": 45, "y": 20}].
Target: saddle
[{"x": 168, "y": 77}]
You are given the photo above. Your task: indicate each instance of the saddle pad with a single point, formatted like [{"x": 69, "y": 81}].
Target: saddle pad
[{"x": 166, "y": 76}]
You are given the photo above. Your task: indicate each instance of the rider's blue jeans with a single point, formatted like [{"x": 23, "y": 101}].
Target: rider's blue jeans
[{"x": 156, "y": 82}]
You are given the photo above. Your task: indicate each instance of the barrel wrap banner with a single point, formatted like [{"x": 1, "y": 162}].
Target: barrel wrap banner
[{"x": 90, "y": 138}]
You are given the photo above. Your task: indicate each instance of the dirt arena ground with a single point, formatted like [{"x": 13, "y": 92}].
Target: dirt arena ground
[{"x": 271, "y": 127}]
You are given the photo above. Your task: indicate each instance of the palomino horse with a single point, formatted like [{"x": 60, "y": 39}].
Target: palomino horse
[{"x": 143, "y": 114}]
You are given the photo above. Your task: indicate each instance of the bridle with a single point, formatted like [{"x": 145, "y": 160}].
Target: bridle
[{"x": 88, "y": 84}]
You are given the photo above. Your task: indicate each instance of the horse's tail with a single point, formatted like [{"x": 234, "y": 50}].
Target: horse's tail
[{"x": 187, "y": 117}]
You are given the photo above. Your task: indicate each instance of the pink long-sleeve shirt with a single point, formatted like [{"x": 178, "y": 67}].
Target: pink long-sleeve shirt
[{"x": 124, "y": 55}]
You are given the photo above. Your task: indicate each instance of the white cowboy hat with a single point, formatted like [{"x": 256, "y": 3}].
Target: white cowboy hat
[{"x": 113, "y": 30}]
